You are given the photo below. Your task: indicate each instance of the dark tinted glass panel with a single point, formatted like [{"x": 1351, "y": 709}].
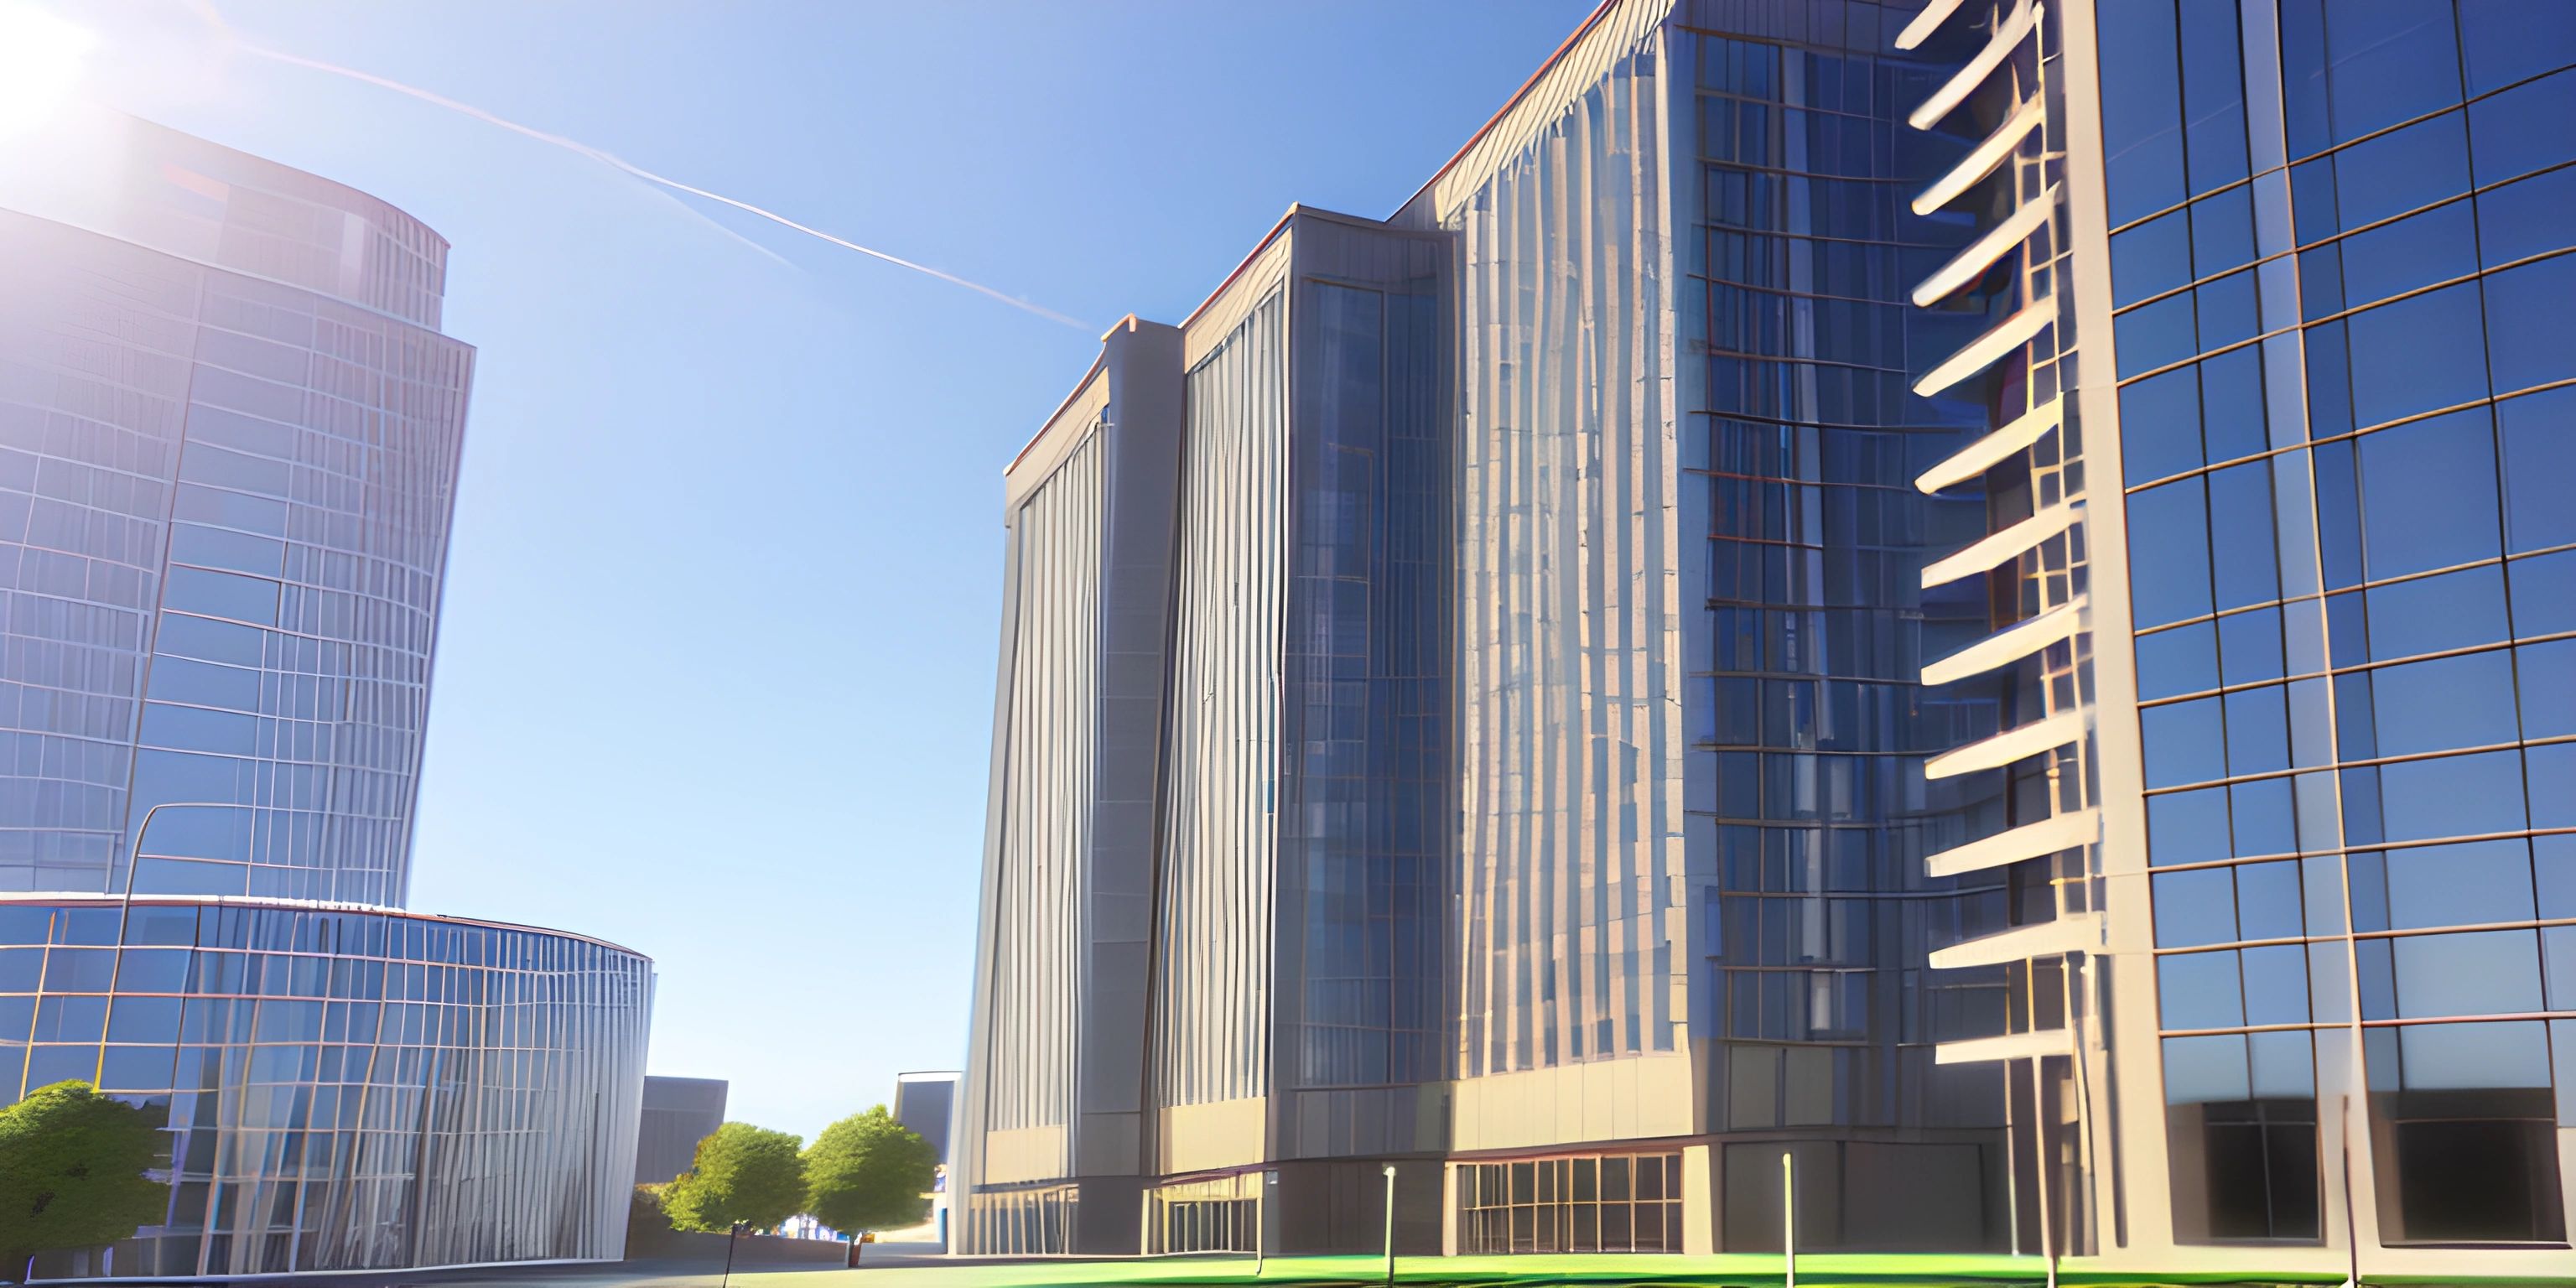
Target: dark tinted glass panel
[
  {"x": 2213, "y": 92},
  {"x": 2503, "y": 41},
  {"x": 2429, "y": 494},
  {"x": 2240, "y": 522},
  {"x": 2156, "y": 335},
  {"x": 2160, "y": 425},
  {"x": 2263, "y": 817},
  {"x": 2424, "y": 163},
  {"x": 2526, "y": 217},
  {"x": 2151, "y": 259},
  {"x": 2258, "y": 730},
  {"x": 2431, "y": 614},
  {"x": 2544, "y": 593},
  {"x": 2547, "y": 677},
  {"x": 2524, "y": 129},
  {"x": 2228, "y": 310},
  {"x": 2418, "y": 354},
  {"x": 2169, "y": 552},
  {"x": 2250, "y": 646},
  {"x": 2386, "y": 61},
  {"x": 2185, "y": 742},
  {"x": 2142, "y": 140},
  {"x": 2232, "y": 412},
  {"x": 2540, "y": 468},
  {"x": 2418, "y": 250},
  {"x": 2222, "y": 229},
  {"x": 2444, "y": 704},
  {"x": 2527, "y": 336},
  {"x": 2425, "y": 800},
  {"x": 2179, "y": 661}
]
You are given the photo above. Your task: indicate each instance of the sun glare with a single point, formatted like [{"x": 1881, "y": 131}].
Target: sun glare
[{"x": 40, "y": 62}]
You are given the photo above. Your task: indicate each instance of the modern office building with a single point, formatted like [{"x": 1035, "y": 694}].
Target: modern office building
[
  {"x": 677, "y": 1113},
  {"x": 229, "y": 432},
  {"x": 926, "y": 1104},
  {"x": 1668, "y": 651}
]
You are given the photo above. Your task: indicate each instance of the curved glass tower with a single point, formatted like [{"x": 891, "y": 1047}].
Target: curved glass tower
[{"x": 229, "y": 434}]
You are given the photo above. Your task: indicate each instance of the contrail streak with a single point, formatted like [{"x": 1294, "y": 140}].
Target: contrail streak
[{"x": 620, "y": 163}]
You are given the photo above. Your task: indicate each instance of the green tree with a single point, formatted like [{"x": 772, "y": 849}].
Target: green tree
[
  {"x": 741, "y": 1173},
  {"x": 869, "y": 1172},
  {"x": 71, "y": 1172}
]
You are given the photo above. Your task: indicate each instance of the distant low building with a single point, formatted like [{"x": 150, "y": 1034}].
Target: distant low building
[
  {"x": 927, "y": 1103},
  {"x": 678, "y": 1113}
]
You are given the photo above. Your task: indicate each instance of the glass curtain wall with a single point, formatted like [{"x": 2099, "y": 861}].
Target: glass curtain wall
[
  {"x": 1804, "y": 705},
  {"x": 2348, "y": 447}
]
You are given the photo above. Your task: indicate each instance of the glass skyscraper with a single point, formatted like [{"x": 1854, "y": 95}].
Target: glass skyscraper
[
  {"x": 229, "y": 433},
  {"x": 1971, "y": 592}
]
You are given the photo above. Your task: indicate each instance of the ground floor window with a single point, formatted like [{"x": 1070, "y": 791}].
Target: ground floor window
[
  {"x": 1021, "y": 1222},
  {"x": 1578, "y": 1203},
  {"x": 1219, "y": 1214}
]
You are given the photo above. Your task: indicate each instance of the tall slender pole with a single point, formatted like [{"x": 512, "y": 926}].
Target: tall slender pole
[
  {"x": 1390, "y": 1225},
  {"x": 1788, "y": 1220},
  {"x": 730, "y": 1236}
]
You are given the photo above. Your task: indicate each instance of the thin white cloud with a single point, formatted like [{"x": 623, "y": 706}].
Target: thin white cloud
[{"x": 612, "y": 160}]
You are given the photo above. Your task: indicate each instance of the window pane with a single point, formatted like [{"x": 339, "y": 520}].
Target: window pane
[
  {"x": 2240, "y": 520},
  {"x": 2194, "y": 908},
  {"x": 2250, "y": 644},
  {"x": 2527, "y": 342},
  {"x": 2222, "y": 227},
  {"x": 2141, "y": 109},
  {"x": 2388, "y": 60},
  {"x": 2526, "y": 217},
  {"x": 2160, "y": 425},
  {"x": 2524, "y": 129},
  {"x": 2544, "y": 593},
  {"x": 2494, "y": 972},
  {"x": 2401, "y": 170},
  {"x": 2228, "y": 310},
  {"x": 2179, "y": 661},
  {"x": 2276, "y": 984},
  {"x": 2423, "y": 800},
  {"x": 2258, "y": 730},
  {"x": 2150, "y": 259},
  {"x": 2504, "y": 41},
  {"x": 2547, "y": 675},
  {"x": 2444, "y": 704},
  {"x": 2418, "y": 354},
  {"x": 2418, "y": 250},
  {"x": 2169, "y": 553},
  {"x": 2213, "y": 93},
  {"x": 2199, "y": 990},
  {"x": 2432, "y": 614},
  {"x": 2185, "y": 742},
  {"x": 2428, "y": 494},
  {"x": 2155, "y": 335},
  {"x": 2540, "y": 469},
  {"x": 2232, "y": 405},
  {"x": 2187, "y": 827},
  {"x": 2267, "y": 899},
  {"x": 2459, "y": 885}
]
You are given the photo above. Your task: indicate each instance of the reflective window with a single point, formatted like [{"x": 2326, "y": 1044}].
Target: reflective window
[
  {"x": 2179, "y": 661},
  {"x": 2350, "y": 67},
  {"x": 2504, "y": 41},
  {"x": 2142, "y": 137},
  {"x": 2525, "y": 332},
  {"x": 2523, "y": 129},
  {"x": 2417, "y": 355},
  {"x": 2429, "y": 493},
  {"x": 2169, "y": 552}
]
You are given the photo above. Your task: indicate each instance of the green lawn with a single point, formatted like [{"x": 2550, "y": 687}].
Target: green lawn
[{"x": 1742, "y": 1270}]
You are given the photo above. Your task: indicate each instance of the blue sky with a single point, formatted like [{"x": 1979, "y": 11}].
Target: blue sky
[{"x": 715, "y": 672}]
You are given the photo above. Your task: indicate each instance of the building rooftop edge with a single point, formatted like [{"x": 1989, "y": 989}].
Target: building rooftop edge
[{"x": 309, "y": 905}]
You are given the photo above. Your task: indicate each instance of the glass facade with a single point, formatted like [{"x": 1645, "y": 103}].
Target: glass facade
[
  {"x": 2345, "y": 446},
  {"x": 2149, "y": 852},
  {"x": 345, "y": 1089},
  {"x": 229, "y": 435}
]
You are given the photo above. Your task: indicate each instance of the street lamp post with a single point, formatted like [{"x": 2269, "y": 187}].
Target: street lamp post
[
  {"x": 730, "y": 1236},
  {"x": 1390, "y": 1225}
]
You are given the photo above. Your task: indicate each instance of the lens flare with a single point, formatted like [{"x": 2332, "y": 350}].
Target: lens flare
[{"x": 41, "y": 58}]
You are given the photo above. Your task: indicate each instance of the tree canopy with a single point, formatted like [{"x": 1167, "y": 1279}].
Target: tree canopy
[
  {"x": 71, "y": 1172},
  {"x": 741, "y": 1173},
  {"x": 869, "y": 1172}
]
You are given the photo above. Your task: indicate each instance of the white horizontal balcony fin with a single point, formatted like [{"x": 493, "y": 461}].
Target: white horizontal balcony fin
[
  {"x": 1970, "y": 264},
  {"x": 2018, "y": 539},
  {"x": 1992, "y": 450},
  {"x": 1957, "y": 89},
  {"x": 2009, "y": 645},
  {"x": 2076, "y": 932},
  {"x": 2011, "y": 745},
  {"x": 2029, "y": 841},
  {"x": 1988, "y": 349},
  {"x": 1926, "y": 22},
  {"x": 2011, "y": 1046},
  {"x": 1983, "y": 158}
]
